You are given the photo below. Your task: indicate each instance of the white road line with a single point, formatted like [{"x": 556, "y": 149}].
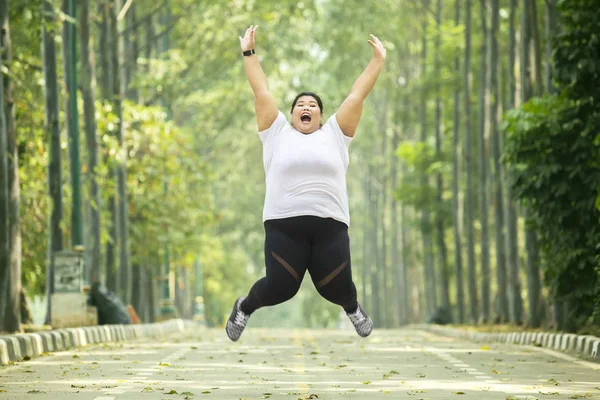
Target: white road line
[
  {"x": 144, "y": 373},
  {"x": 104, "y": 398},
  {"x": 565, "y": 357}
]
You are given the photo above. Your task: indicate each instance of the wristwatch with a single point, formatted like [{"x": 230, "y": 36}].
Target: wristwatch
[{"x": 248, "y": 53}]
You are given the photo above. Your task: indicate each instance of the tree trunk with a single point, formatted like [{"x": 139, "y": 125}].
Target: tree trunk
[
  {"x": 373, "y": 256},
  {"x": 428, "y": 270},
  {"x": 52, "y": 128},
  {"x": 483, "y": 167},
  {"x": 12, "y": 316},
  {"x": 440, "y": 228},
  {"x": 376, "y": 285},
  {"x": 516, "y": 301},
  {"x": 559, "y": 307},
  {"x": 559, "y": 310},
  {"x": 88, "y": 89},
  {"x": 456, "y": 210},
  {"x": 149, "y": 45},
  {"x": 136, "y": 288},
  {"x": 533, "y": 277},
  {"x": 537, "y": 77},
  {"x": 470, "y": 167},
  {"x": 107, "y": 90},
  {"x": 502, "y": 309},
  {"x": 406, "y": 295},
  {"x": 383, "y": 265},
  {"x": 132, "y": 92},
  {"x": 533, "y": 259},
  {"x": 122, "y": 208},
  {"x": 72, "y": 116},
  {"x": 551, "y": 30},
  {"x": 4, "y": 210},
  {"x": 397, "y": 260},
  {"x": 151, "y": 294}
]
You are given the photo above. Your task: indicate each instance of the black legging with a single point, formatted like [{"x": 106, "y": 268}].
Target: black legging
[{"x": 295, "y": 245}]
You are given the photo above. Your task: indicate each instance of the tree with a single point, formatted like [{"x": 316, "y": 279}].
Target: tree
[
  {"x": 12, "y": 316},
  {"x": 440, "y": 226},
  {"x": 552, "y": 151},
  {"x": 467, "y": 86},
  {"x": 69, "y": 48},
  {"x": 123, "y": 217},
  {"x": 107, "y": 66},
  {"x": 426, "y": 231},
  {"x": 551, "y": 31},
  {"x": 483, "y": 165},
  {"x": 88, "y": 90},
  {"x": 512, "y": 234},
  {"x": 4, "y": 211},
  {"x": 456, "y": 210},
  {"x": 502, "y": 310},
  {"x": 533, "y": 259},
  {"x": 52, "y": 129}
]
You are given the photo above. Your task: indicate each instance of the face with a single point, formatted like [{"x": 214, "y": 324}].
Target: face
[{"x": 306, "y": 115}]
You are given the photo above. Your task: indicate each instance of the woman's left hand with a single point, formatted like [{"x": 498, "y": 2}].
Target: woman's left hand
[{"x": 379, "y": 51}]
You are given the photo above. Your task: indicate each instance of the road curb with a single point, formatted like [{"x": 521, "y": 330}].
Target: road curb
[
  {"x": 584, "y": 345},
  {"x": 28, "y": 345}
]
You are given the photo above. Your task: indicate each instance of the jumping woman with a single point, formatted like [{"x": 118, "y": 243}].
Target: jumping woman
[{"x": 305, "y": 215}]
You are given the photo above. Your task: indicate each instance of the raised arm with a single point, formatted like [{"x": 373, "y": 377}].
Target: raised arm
[
  {"x": 264, "y": 102},
  {"x": 348, "y": 115}
]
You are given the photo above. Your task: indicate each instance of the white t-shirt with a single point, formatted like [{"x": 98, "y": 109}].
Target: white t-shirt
[{"x": 305, "y": 173}]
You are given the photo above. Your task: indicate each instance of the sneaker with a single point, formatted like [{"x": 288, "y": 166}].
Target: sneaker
[
  {"x": 237, "y": 321},
  {"x": 361, "y": 321}
]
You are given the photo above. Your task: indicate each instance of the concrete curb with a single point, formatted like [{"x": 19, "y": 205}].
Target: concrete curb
[
  {"x": 584, "y": 345},
  {"x": 28, "y": 345}
]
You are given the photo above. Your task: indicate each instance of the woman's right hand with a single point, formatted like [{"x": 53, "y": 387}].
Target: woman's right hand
[{"x": 247, "y": 42}]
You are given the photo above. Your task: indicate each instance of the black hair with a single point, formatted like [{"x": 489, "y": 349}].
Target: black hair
[{"x": 312, "y": 94}]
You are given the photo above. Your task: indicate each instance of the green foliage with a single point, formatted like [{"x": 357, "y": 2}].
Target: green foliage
[
  {"x": 418, "y": 158},
  {"x": 553, "y": 153},
  {"x": 199, "y": 131}
]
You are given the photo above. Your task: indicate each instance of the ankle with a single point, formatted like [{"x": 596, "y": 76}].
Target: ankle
[
  {"x": 244, "y": 308},
  {"x": 352, "y": 309}
]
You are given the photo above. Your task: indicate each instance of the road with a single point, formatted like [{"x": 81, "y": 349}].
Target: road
[{"x": 302, "y": 364}]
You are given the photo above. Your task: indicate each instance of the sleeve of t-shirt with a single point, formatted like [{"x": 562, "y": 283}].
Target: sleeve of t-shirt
[
  {"x": 342, "y": 139},
  {"x": 277, "y": 126}
]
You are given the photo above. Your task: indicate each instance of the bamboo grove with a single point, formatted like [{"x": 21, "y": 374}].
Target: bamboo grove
[{"x": 473, "y": 178}]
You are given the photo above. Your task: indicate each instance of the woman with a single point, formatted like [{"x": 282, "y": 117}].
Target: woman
[{"x": 305, "y": 214}]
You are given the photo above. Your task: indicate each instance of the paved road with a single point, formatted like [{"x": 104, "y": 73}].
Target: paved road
[{"x": 302, "y": 364}]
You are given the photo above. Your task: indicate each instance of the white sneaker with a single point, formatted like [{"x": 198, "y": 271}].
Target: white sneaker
[
  {"x": 237, "y": 321},
  {"x": 361, "y": 321}
]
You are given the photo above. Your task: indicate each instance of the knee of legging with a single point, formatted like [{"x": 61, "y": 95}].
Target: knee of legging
[
  {"x": 284, "y": 291},
  {"x": 337, "y": 290}
]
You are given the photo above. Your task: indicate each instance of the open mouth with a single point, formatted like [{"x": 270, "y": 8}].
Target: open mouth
[{"x": 305, "y": 117}]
